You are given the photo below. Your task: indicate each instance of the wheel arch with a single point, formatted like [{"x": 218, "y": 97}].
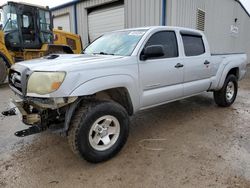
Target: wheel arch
[
  {"x": 227, "y": 71},
  {"x": 118, "y": 95},
  {"x": 114, "y": 86},
  {"x": 234, "y": 71}
]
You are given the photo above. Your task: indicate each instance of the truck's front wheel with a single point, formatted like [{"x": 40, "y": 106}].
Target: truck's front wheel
[
  {"x": 98, "y": 130},
  {"x": 227, "y": 94}
]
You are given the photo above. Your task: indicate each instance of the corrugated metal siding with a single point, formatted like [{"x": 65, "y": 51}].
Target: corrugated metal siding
[
  {"x": 140, "y": 13},
  {"x": 184, "y": 12},
  {"x": 105, "y": 20},
  {"x": 63, "y": 22},
  {"x": 218, "y": 29},
  {"x": 68, "y": 10},
  {"x": 93, "y": 3},
  {"x": 243, "y": 41},
  {"x": 82, "y": 16},
  {"x": 220, "y": 15}
]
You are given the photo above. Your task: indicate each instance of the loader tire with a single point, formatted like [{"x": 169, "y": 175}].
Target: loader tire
[{"x": 3, "y": 71}]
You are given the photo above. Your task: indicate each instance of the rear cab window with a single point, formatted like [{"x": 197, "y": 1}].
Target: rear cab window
[{"x": 193, "y": 44}]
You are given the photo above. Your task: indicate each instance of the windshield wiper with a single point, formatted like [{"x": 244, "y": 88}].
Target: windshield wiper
[{"x": 102, "y": 53}]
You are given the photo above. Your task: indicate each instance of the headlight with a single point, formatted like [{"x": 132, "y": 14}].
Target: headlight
[{"x": 45, "y": 82}]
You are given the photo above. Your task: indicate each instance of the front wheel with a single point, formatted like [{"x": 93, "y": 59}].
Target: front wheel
[
  {"x": 3, "y": 70},
  {"x": 98, "y": 131},
  {"x": 227, "y": 94}
]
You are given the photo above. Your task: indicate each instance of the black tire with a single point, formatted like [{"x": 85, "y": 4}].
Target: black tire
[
  {"x": 3, "y": 71},
  {"x": 220, "y": 97},
  {"x": 82, "y": 122}
]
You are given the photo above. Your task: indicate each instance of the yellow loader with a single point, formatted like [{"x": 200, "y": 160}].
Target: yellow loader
[{"x": 26, "y": 32}]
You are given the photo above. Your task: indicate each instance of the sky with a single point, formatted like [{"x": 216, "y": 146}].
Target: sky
[
  {"x": 246, "y": 3},
  {"x": 50, "y": 3},
  {"x": 53, "y": 3}
]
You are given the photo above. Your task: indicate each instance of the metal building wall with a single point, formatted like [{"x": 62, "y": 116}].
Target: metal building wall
[
  {"x": 82, "y": 16},
  {"x": 243, "y": 23},
  {"x": 220, "y": 15},
  {"x": 140, "y": 13},
  {"x": 67, "y": 10}
]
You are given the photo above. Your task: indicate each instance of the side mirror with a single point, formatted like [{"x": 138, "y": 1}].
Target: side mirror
[{"x": 152, "y": 52}]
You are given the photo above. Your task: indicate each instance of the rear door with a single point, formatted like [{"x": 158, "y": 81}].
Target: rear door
[
  {"x": 161, "y": 80},
  {"x": 196, "y": 64}
]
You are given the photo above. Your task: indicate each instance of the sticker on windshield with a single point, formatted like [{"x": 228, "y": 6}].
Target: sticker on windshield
[{"x": 137, "y": 33}]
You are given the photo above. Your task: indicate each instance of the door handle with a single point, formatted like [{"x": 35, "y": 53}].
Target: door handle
[
  {"x": 206, "y": 62},
  {"x": 179, "y": 65}
]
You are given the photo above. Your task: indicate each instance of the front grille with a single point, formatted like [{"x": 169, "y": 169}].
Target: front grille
[
  {"x": 15, "y": 80},
  {"x": 18, "y": 79}
]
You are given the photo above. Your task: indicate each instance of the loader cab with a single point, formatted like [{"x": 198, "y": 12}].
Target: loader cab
[{"x": 26, "y": 26}]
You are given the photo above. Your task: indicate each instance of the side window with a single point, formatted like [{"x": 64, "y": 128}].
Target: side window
[
  {"x": 26, "y": 22},
  {"x": 168, "y": 40},
  {"x": 193, "y": 45},
  {"x": 12, "y": 23}
]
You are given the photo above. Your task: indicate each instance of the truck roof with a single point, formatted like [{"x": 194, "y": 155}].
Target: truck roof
[{"x": 163, "y": 27}]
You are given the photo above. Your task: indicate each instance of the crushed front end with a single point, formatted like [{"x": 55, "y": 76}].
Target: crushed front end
[{"x": 38, "y": 113}]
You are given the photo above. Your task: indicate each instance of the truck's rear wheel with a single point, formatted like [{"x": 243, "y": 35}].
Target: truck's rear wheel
[
  {"x": 98, "y": 130},
  {"x": 3, "y": 70},
  {"x": 227, "y": 94}
]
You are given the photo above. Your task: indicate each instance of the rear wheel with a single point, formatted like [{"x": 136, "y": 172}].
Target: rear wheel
[
  {"x": 98, "y": 131},
  {"x": 3, "y": 70},
  {"x": 227, "y": 94}
]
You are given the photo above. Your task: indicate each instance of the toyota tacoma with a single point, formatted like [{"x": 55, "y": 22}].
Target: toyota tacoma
[{"x": 90, "y": 97}]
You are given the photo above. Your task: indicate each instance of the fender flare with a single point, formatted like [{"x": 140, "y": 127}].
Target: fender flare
[
  {"x": 231, "y": 65},
  {"x": 110, "y": 82}
]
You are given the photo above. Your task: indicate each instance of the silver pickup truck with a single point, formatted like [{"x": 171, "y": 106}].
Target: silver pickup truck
[{"x": 89, "y": 97}]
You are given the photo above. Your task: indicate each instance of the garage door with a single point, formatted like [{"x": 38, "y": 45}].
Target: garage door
[
  {"x": 63, "y": 22},
  {"x": 105, "y": 20}
]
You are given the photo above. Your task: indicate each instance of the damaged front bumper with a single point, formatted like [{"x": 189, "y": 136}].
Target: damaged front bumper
[
  {"x": 27, "y": 118},
  {"x": 41, "y": 114}
]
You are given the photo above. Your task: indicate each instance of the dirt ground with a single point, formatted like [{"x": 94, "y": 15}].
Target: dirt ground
[{"x": 190, "y": 143}]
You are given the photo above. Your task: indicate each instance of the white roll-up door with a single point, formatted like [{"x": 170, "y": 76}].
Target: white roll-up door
[
  {"x": 62, "y": 21},
  {"x": 105, "y": 20}
]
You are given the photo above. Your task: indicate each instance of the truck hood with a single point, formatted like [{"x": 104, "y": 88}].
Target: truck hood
[{"x": 68, "y": 62}]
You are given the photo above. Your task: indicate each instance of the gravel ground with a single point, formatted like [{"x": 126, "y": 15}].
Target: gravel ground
[{"x": 189, "y": 143}]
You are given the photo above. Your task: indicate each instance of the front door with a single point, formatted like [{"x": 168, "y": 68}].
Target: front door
[{"x": 161, "y": 79}]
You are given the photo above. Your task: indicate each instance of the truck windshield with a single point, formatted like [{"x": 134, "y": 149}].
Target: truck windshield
[
  {"x": 9, "y": 18},
  {"x": 121, "y": 43}
]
